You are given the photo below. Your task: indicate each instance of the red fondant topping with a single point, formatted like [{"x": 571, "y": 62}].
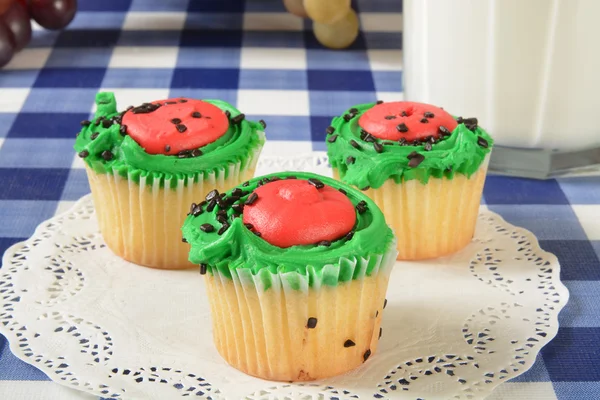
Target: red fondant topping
[
  {"x": 159, "y": 131},
  {"x": 293, "y": 212},
  {"x": 383, "y": 120}
]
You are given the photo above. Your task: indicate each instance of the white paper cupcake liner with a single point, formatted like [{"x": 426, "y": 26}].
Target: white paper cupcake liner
[{"x": 261, "y": 323}]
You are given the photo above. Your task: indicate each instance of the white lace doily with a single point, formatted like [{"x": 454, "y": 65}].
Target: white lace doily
[{"x": 454, "y": 328}]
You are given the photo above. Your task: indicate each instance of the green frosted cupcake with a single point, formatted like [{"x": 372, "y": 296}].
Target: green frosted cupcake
[{"x": 296, "y": 267}]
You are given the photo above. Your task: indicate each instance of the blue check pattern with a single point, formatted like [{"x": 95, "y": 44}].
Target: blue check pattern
[{"x": 266, "y": 61}]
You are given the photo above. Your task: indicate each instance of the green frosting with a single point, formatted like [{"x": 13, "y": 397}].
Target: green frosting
[
  {"x": 458, "y": 153},
  {"x": 130, "y": 160},
  {"x": 239, "y": 248}
]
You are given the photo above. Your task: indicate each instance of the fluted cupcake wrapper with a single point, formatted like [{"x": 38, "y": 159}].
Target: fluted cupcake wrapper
[
  {"x": 141, "y": 220},
  {"x": 431, "y": 219},
  {"x": 298, "y": 327}
]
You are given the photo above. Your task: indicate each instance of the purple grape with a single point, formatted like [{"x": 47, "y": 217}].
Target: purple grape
[
  {"x": 17, "y": 21},
  {"x": 53, "y": 14},
  {"x": 7, "y": 48}
]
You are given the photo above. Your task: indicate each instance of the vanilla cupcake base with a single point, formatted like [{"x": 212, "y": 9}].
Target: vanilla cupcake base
[
  {"x": 263, "y": 331},
  {"x": 433, "y": 219},
  {"x": 141, "y": 222}
]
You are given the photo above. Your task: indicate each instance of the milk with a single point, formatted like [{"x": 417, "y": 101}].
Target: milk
[{"x": 529, "y": 70}]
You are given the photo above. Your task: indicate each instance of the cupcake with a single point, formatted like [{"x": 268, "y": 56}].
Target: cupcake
[
  {"x": 424, "y": 168},
  {"x": 147, "y": 164},
  {"x": 296, "y": 268}
]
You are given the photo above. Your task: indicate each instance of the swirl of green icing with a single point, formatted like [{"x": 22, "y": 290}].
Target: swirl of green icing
[
  {"x": 238, "y": 247},
  {"x": 460, "y": 153},
  {"x": 129, "y": 159}
]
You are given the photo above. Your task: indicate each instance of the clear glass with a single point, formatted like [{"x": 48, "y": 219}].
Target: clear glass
[{"x": 525, "y": 69}]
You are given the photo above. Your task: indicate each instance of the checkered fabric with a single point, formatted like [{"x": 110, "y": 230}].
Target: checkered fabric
[{"x": 269, "y": 64}]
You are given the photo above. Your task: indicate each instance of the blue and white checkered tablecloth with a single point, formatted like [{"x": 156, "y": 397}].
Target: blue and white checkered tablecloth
[{"x": 269, "y": 64}]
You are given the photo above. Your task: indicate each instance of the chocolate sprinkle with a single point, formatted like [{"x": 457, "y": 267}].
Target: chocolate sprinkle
[
  {"x": 349, "y": 343},
  {"x": 415, "y": 159},
  {"x": 85, "y": 122},
  {"x": 366, "y": 355},
  {"x": 263, "y": 123},
  {"x": 379, "y": 102},
  {"x": 349, "y": 235},
  {"x": 311, "y": 323},
  {"x": 237, "y": 208},
  {"x": 402, "y": 128},
  {"x": 83, "y": 153},
  {"x": 197, "y": 210},
  {"x": 251, "y": 199},
  {"x": 444, "y": 131},
  {"x": 378, "y": 147},
  {"x": 350, "y": 160},
  {"x": 237, "y": 192},
  {"x": 106, "y": 123},
  {"x": 367, "y": 137},
  {"x": 429, "y": 114},
  {"x": 246, "y": 183},
  {"x": 380, "y": 332},
  {"x": 482, "y": 142},
  {"x": 332, "y": 138},
  {"x": 182, "y": 100},
  {"x": 376, "y": 313},
  {"x": 223, "y": 229},
  {"x": 145, "y": 108},
  {"x": 207, "y": 228},
  {"x": 348, "y": 117},
  {"x": 316, "y": 183},
  {"x": 424, "y": 121},
  {"x": 384, "y": 303},
  {"x": 258, "y": 234},
  {"x": 353, "y": 110},
  {"x": 402, "y": 142},
  {"x": 167, "y": 148},
  {"x": 170, "y": 102},
  {"x": 123, "y": 130},
  {"x": 212, "y": 194},
  {"x": 291, "y": 177},
  {"x": 325, "y": 243},
  {"x": 98, "y": 121},
  {"x": 107, "y": 155},
  {"x": 361, "y": 207},
  {"x": 227, "y": 113},
  {"x": 184, "y": 240},
  {"x": 94, "y": 135},
  {"x": 366, "y": 188},
  {"x": 196, "y": 153},
  {"x": 175, "y": 121},
  {"x": 390, "y": 117},
  {"x": 329, "y": 130},
  {"x": 249, "y": 226},
  {"x": 342, "y": 191},
  {"x": 238, "y": 118},
  {"x": 196, "y": 114},
  {"x": 427, "y": 146},
  {"x": 203, "y": 268},
  {"x": 354, "y": 144},
  {"x": 222, "y": 218},
  {"x": 211, "y": 205},
  {"x": 459, "y": 120},
  {"x": 221, "y": 201},
  {"x": 181, "y": 128}
]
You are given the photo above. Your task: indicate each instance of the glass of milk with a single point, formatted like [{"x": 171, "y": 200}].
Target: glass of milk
[{"x": 529, "y": 70}]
